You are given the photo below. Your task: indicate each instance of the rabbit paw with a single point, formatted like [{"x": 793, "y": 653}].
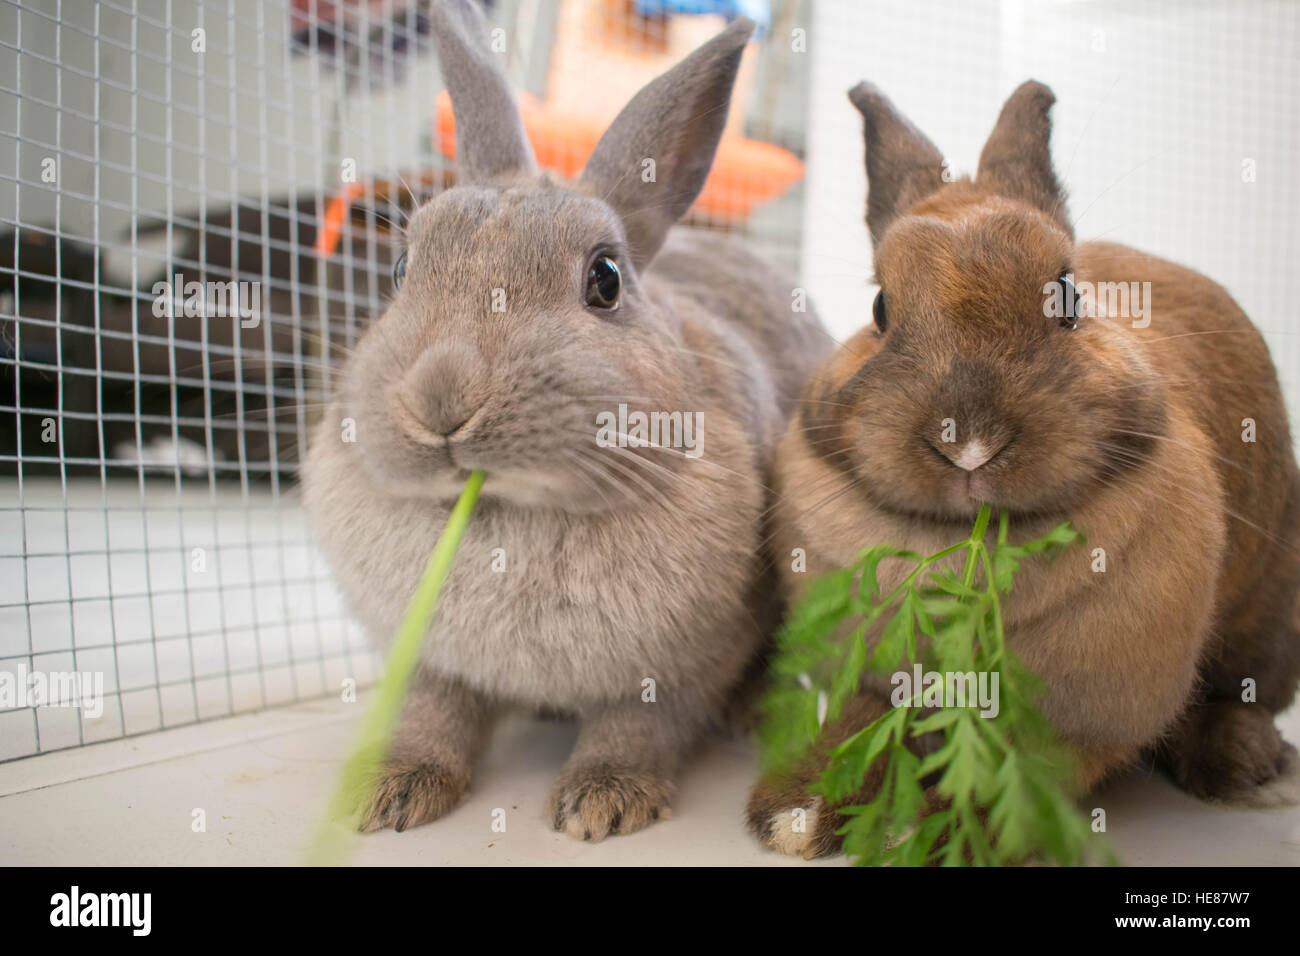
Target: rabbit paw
[
  {"x": 407, "y": 796},
  {"x": 1280, "y": 788},
  {"x": 1237, "y": 756},
  {"x": 788, "y": 819},
  {"x": 591, "y": 802}
]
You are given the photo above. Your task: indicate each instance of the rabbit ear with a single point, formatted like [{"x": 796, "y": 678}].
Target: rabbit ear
[
  {"x": 490, "y": 138},
  {"x": 654, "y": 158},
  {"x": 1017, "y": 159},
  {"x": 903, "y": 167}
]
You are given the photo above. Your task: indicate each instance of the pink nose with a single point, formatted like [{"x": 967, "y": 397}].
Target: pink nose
[{"x": 973, "y": 454}]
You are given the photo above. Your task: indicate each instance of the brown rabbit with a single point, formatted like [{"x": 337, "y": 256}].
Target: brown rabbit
[
  {"x": 591, "y": 568},
  {"x": 1158, "y": 429}
]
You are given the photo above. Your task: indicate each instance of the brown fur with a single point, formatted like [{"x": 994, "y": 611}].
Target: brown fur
[{"x": 1134, "y": 434}]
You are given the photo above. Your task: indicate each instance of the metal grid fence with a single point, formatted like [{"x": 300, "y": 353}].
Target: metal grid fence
[{"x": 154, "y": 564}]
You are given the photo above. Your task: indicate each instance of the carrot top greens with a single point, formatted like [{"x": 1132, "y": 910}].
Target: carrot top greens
[{"x": 993, "y": 789}]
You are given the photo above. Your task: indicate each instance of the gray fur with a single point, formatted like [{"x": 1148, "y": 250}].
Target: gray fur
[
  {"x": 676, "y": 120},
  {"x": 621, "y": 563},
  {"x": 490, "y": 137}
]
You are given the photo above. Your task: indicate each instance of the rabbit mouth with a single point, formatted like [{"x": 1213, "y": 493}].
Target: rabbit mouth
[
  {"x": 441, "y": 447},
  {"x": 967, "y": 490},
  {"x": 415, "y": 428},
  {"x": 418, "y": 429}
]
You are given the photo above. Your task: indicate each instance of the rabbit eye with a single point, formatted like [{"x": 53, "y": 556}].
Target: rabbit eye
[
  {"x": 603, "y": 284},
  {"x": 878, "y": 312},
  {"x": 1070, "y": 299},
  {"x": 399, "y": 271}
]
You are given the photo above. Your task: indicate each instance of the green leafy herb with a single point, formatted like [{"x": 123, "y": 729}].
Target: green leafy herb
[{"x": 988, "y": 790}]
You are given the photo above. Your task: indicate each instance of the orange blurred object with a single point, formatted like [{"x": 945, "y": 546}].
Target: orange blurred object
[
  {"x": 745, "y": 172},
  {"x": 336, "y": 214}
]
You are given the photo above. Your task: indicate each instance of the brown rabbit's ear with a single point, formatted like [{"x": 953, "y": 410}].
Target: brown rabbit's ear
[
  {"x": 654, "y": 158},
  {"x": 490, "y": 137},
  {"x": 903, "y": 167},
  {"x": 1017, "y": 159}
]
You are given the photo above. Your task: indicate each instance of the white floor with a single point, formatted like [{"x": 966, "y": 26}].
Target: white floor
[{"x": 260, "y": 781}]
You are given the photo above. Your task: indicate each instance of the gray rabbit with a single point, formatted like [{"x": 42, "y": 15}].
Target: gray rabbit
[{"x": 618, "y": 580}]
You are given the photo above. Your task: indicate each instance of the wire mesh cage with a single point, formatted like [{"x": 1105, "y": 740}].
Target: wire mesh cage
[{"x": 201, "y": 207}]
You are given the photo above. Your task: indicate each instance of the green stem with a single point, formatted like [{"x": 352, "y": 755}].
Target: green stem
[
  {"x": 991, "y": 595},
  {"x": 371, "y": 750},
  {"x": 974, "y": 543},
  {"x": 921, "y": 566}
]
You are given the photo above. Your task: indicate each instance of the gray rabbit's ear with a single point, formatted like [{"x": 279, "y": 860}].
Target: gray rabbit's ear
[
  {"x": 1017, "y": 159},
  {"x": 654, "y": 158},
  {"x": 490, "y": 137},
  {"x": 903, "y": 166}
]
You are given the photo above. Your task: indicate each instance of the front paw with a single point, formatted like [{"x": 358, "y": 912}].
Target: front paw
[
  {"x": 591, "y": 802},
  {"x": 1237, "y": 756},
  {"x": 408, "y": 795},
  {"x": 787, "y": 818}
]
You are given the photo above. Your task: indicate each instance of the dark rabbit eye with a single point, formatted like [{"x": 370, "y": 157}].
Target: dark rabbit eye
[
  {"x": 399, "y": 271},
  {"x": 1070, "y": 299},
  {"x": 878, "y": 312},
  {"x": 602, "y": 284}
]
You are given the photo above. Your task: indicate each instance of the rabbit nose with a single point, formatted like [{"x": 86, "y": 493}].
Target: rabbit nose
[
  {"x": 447, "y": 414},
  {"x": 973, "y": 454},
  {"x": 975, "y": 428},
  {"x": 444, "y": 389},
  {"x": 441, "y": 418}
]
